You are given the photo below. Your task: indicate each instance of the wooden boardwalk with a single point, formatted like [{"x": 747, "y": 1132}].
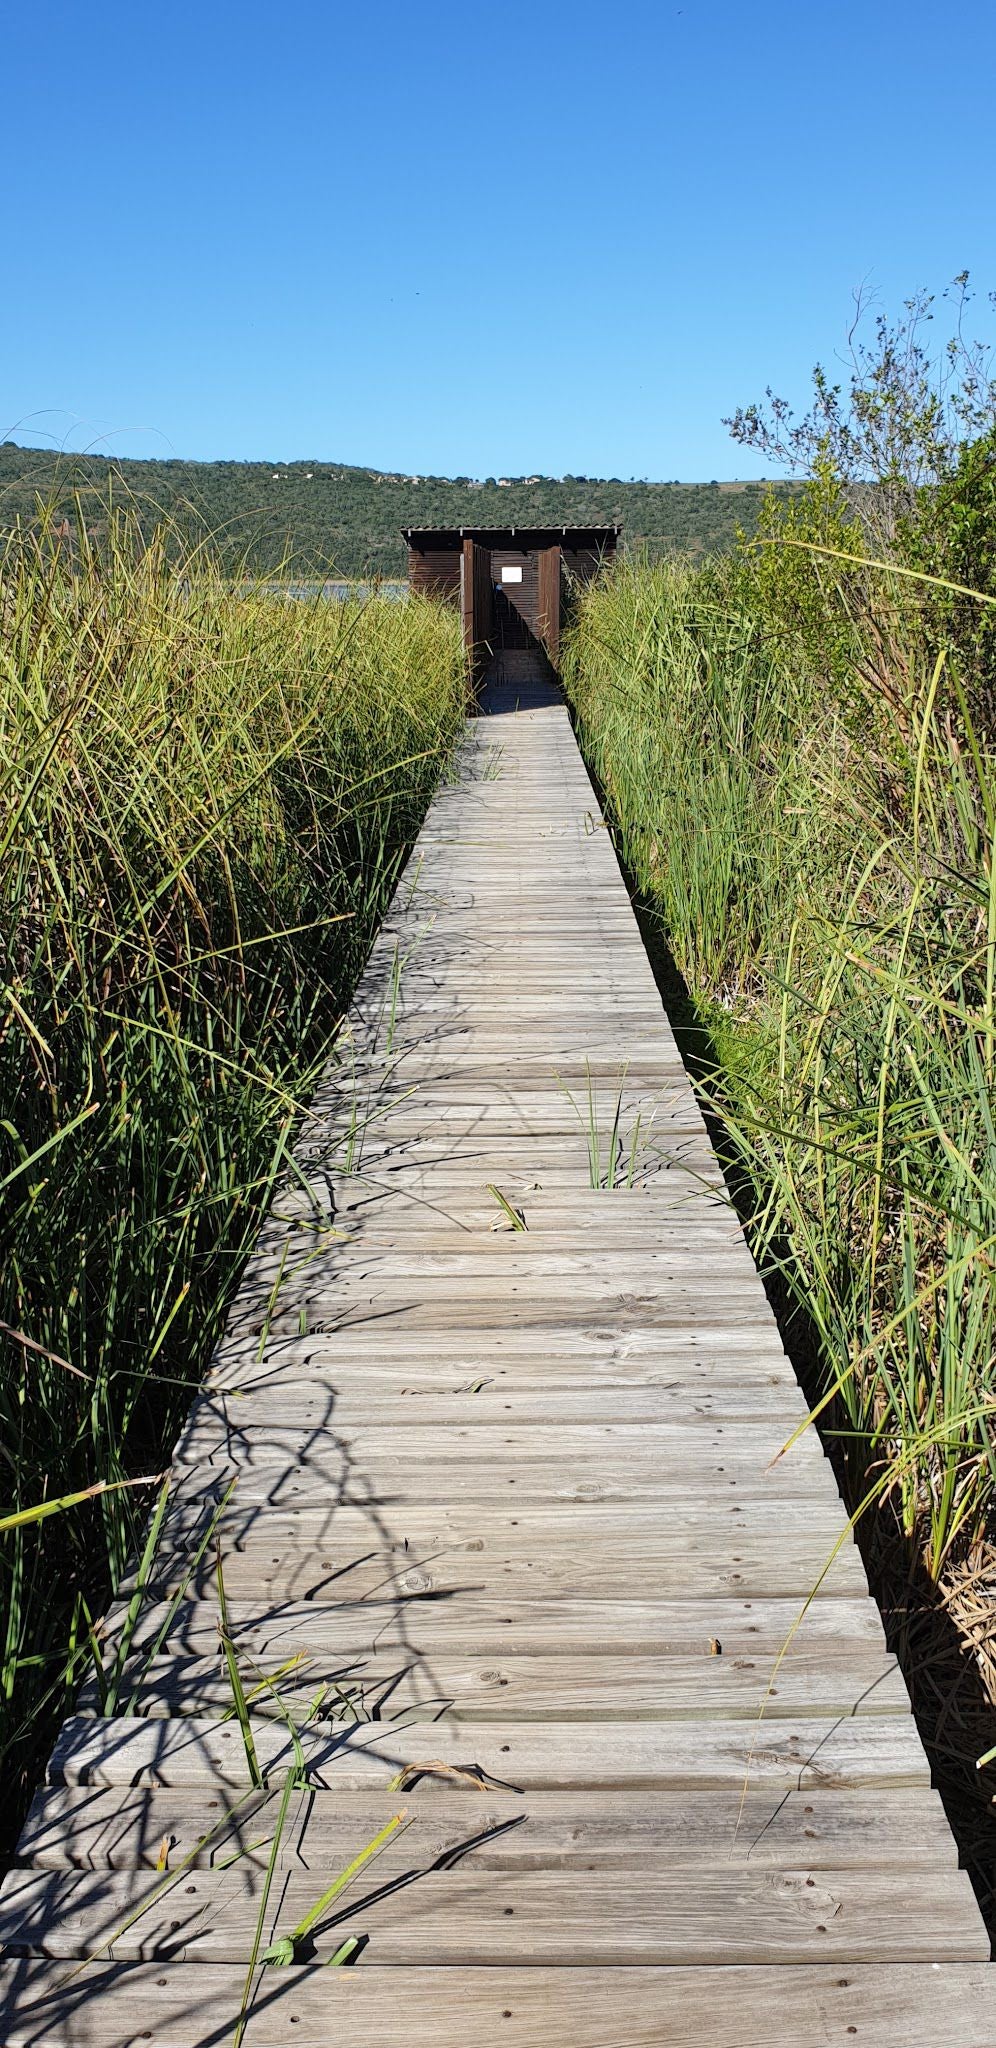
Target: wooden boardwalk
[{"x": 505, "y": 1526}]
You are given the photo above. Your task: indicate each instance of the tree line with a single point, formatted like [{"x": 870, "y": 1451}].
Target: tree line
[{"x": 318, "y": 518}]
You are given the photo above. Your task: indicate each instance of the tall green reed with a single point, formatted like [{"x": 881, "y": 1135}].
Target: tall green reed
[
  {"x": 206, "y": 791},
  {"x": 823, "y": 869}
]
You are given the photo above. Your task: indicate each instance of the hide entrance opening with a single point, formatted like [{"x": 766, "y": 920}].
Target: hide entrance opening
[{"x": 513, "y": 585}]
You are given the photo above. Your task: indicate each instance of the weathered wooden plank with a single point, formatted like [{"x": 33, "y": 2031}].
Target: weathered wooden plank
[
  {"x": 482, "y": 1154},
  {"x": 693, "y": 1444},
  {"x": 321, "y": 1573},
  {"x": 658, "y": 1211},
  {"x": 548, "y": 1121},
  {"x": 682, "y": 1165},
  {"x": 587, "y": 1349},
  {"x": 392, "y": 1484},
  {"x": 411, "y": 1083},
  {"x": 346, "y": 1398},
  {"x": 614, "y": 1219},
  {"x": 476, "y": 1622},
  {"x": 505, "y": 1260},
  {"x": 396, "y": 1221},
  {"x": 319, "y": 1388},
  {"x": 488, "y": 1307},
  {"x": 393, "y": 1492},
  {"x": 251, "y": 1336},
  {"x": 591, "y": 1545},
  {"x": 257, "y": 1363},
  {"x": 412, "y": 1470},
  {"x": 910, "y": 2005},
  {"x": 430, "y": 958},
  {"x": 388, "y": 1682},
  {"x": 460, "y": 1917},
  {"x": 657, "y": 1524},
  {"x": 869, "y": 1751},
  {"x": 581, "y": 1829}
]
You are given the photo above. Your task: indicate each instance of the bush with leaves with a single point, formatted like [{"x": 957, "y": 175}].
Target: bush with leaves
[
  {"x": 953, "y": 538},
  {"x": 805, "y": 600}
]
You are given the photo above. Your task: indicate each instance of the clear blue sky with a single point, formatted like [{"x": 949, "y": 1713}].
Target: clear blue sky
[{"x": 454, "y": 238}]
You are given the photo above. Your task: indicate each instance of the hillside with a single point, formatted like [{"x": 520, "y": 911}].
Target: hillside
[{"x": 320, "y": 515}]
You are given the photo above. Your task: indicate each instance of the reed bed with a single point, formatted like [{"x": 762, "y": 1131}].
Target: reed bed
[
  {"x": 206, "y": 791},
  {"x": 816, "y": 841}
]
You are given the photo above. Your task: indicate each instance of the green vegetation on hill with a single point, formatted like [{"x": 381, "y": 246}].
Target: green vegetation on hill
[{"x": 316, "y": 516}]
